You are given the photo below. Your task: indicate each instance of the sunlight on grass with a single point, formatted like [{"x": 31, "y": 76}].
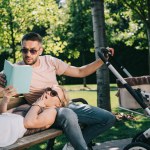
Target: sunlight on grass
[{"x": 91, "y": 95}]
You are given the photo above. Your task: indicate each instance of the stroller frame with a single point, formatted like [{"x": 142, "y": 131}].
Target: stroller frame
[{"x": 140, "y": 140}]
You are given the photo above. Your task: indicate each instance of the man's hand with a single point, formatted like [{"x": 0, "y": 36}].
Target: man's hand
[
  {"x": 2, "y": 83},
  {"x": 107, "y": 52},
  {"x": 111, "y": 50},
  {"x": 2, "y": 80}
]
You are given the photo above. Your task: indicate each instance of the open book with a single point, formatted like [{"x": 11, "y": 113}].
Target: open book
[{"x": 19, "y": 76}]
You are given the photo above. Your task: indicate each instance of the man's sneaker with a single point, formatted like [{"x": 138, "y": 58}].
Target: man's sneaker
[{"x": 68, "y": 146}]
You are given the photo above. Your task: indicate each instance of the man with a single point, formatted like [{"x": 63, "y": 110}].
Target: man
[{"x": 45, "y": 69}]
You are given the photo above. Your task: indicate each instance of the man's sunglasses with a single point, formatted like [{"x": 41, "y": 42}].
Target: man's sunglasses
[
  {"x": 32, "y": 51},
  {"x": 53, "y": 93}
]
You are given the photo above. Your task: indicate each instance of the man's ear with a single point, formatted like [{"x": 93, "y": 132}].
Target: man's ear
[{"x": 41, "y": 51}]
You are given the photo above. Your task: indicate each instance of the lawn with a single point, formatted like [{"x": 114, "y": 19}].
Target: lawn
[{"x": 123, "y": 128}]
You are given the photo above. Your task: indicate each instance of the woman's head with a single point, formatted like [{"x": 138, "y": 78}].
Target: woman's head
[{"x": 60, "y": 93}]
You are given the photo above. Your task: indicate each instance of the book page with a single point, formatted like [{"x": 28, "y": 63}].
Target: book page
[
  {"x": 8, "y": 71},
  {"x": 19, "y": 76}
]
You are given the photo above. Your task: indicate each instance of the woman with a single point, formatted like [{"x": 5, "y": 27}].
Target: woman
[{"x": 15, "y": 122}]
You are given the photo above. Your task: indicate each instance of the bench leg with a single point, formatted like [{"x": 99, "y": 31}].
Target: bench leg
[
  {"x": 50, "y": 144},
  {"x": 90, "y": 145}
]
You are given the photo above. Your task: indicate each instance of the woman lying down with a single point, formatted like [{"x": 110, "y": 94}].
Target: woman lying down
[{"x": 38, "y": 116}]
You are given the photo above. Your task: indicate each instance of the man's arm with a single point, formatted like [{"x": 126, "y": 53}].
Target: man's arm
[
  {"x": 83, "y": 71},
  {"x": 86, "y": 70}
]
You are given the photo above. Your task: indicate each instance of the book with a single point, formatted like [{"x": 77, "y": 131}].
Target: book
[{"x": 19, "y": 76}]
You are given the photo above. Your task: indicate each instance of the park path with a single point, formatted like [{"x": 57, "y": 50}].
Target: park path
[{"x": 113, "y": 145}]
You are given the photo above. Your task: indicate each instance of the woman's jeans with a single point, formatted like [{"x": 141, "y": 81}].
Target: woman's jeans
[{"x": 95, "y": 121}]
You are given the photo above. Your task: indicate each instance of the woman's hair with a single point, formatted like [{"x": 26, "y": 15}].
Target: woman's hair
[{"x": 66, "y": 97}]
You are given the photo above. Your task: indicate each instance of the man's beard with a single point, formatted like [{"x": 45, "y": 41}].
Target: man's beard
[{"x": 30, "y": 63}]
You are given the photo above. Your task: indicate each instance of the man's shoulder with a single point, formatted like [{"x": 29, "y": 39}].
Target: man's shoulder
[{"x": 48, "y": 58}]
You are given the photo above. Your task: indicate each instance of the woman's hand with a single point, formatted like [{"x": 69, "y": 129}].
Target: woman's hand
[
  {"x": 46, "y": 101},
  {"x": 8, "y": 92},
  {"x": 52, "y": 101}
]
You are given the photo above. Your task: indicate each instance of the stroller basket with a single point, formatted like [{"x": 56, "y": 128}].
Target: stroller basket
[{"x": 126, "y": 100}]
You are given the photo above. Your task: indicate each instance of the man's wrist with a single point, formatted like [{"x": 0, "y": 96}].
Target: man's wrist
[{"x": 100, "y": 61}]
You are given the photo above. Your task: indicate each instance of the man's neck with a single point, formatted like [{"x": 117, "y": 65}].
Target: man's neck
[{"x": 37, "y": 64}]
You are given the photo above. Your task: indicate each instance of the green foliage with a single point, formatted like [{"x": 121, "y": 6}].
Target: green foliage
[
  {"x": 67, "y": 32},
  {"x": 125, "y": 22},
  {"x": 77, "y": 30},
  {"x": 20, "y": 17}
]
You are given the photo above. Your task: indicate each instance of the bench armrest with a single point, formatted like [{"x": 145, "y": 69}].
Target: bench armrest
[{"x": 80, "y": 100}]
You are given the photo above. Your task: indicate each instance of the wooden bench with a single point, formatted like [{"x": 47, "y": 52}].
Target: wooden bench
[{"x": 30, "y": 140}]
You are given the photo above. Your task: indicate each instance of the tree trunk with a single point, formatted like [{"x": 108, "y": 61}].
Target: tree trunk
[
  {"x": 148, "y": 36},
  {"x": 148, "y": 32},
  {"x": 103, "y": 89}
]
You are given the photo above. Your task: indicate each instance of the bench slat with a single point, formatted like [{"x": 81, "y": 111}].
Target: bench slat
[{"x": 33, "y": 139}]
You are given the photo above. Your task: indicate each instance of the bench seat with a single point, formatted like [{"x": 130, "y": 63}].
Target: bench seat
[{"x": 27, "y": 141}]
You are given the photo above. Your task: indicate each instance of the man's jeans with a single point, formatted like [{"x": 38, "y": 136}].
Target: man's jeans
[{"x": 94, "y": 119}]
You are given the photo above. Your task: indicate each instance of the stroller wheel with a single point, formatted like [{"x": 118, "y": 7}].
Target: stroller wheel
[
  {"x": 137, "y": 146},
  {"x": 140, "y": 138}
]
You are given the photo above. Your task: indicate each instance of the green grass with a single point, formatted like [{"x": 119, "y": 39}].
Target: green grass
[{"x": 125, "y": 128}]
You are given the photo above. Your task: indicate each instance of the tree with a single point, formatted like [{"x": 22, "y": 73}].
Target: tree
[
  {"x": 19, "y": 17},
  {"x": 77, "y": 31},
  {"x": 129, "y": 23},
  {"x": 141, "y": 10},
  {"x": 103, "y": 92}
]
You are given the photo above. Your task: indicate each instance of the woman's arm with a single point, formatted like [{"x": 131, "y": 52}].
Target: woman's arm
[
  {"x": 3, "y": 105},
  {"x": 8, "y": 92},
  {"x": 43, "y": 112},
  {"x": 37, "y": 119}
]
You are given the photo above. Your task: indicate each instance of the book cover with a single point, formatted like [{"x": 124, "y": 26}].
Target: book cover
[{"x": 19, "y": 76}]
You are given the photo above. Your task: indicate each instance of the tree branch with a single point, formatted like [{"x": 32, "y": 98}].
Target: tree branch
[{"x": 139, "y": 11}]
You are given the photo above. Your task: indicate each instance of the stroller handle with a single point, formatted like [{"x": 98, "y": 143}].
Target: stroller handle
[
  {"x": 125, "y": 84},
  {"x": 107, "y": 52}
]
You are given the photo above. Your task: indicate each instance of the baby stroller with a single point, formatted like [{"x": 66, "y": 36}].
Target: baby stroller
[{"x": 142, "y": 140}]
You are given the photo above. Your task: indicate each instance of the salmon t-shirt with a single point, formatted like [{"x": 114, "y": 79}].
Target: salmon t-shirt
[{"x": 44, "y": 76}]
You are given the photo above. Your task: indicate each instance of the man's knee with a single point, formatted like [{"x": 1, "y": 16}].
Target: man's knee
[
  {"x": 67, "y": 116},
  {"x": 112, "y": 119}
]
